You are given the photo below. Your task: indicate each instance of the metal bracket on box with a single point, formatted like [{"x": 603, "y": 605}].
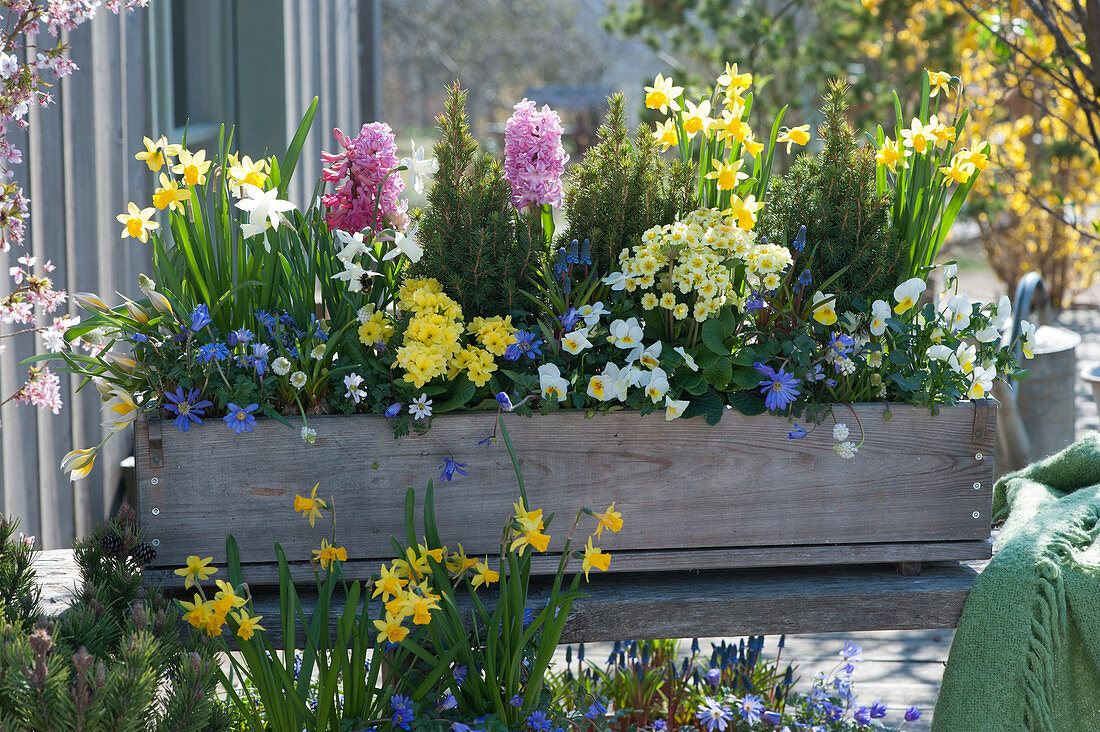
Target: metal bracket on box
[
  {"x": 982, "y": 408},
  {"x": 156, "y": 445}
]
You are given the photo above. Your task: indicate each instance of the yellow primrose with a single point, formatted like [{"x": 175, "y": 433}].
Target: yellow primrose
[
  {"x": 824, "y": 312},
  {"x": 697, "y": 118},
  {"x": 328, "y": 553},
  {"x": 391, "y": 629},
  {"x": 247, "y": 624},
  {"x": 193, "y": 167},
  {"x": 663, "y": 94},
  {"x": 594, "y": 557},
  {"x": 794, "y": 136},
  {"x": 609, "y": 519},
  {"x": 156, "y": 153},
  {"x": 727, "y": 175},
  {"x": 170, "y": 195},
  {"x": 310, "y": 507},
  {"x": 483, "y": 575},
  {"x": 136, "y": 222},
  {"x": 196, "y": 568}
]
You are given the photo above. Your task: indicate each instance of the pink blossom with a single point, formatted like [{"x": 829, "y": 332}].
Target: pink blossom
[
  {"x": 364, "y": 165},
  {"x": 42, "y": 390},
  {"x": 534, "y": 159}
]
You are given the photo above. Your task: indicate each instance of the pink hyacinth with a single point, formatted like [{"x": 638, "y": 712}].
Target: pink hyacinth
[
  {"x": 533, "y": 156},
  {"x": 359, "y": 170}
]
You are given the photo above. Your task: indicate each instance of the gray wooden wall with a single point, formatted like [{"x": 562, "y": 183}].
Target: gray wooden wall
[{"x": 79, "y": 172}]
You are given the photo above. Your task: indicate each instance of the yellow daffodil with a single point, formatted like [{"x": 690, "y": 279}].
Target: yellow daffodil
[
  {"x": 415, "y": 563},
  {"x": 958, "y": 171},
  {"x": 419, "y": 608},
  {"x": 78, "y": 463},
  {"x": 156, "y": 153},
  {"x": 391, "y": 629},
  {"x": 310, "y": 507},
  {"x": 890, "y": 155},
  {"x": 483, "y": 575},
  {"x": 535, "y": 538},
  {"x": 916, "y": 137},
  {"x": 794, "y": 136},
  {"x": 170, "y": 195},
  {"x": 697, "y": 118},
  {"x": 247, "y": 624},
  {"x": 824, "y": 310},
  {"x": 594, "y": 557},
  {"x": 196, "y": 569},
  {"x": 940, "y": 132},
  {"x": 528, "y": 520},
  {"x": 388, "y": 585},
  {"x": 193, "y": 167},
  {"x": 744, "y": 211},
  {"x": 609, "y": 519},
  {"x": 752, "y": 147},
  {"x": 197, "y": 611},
  {"x": 136, "y": 222},
  {"x": 665, "y": 134},
  {"x": 938, "y": 81},
  {"x": 458, "y": 562},
  {"x": 734, "y": 81},
  {"x": 328, "y": 553},
  {"x": 974, "y": 155},
  {"x": 246, "y": 172},
  {"x": 227, "y": 592},
  {"x": 663, "y": 94},
  {"x": 727, "y": 175}
]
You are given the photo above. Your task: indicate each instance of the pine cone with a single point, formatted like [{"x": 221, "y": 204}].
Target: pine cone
[
  {"x": 143, "y": 553},
  {"x": 111, "y": 544}
]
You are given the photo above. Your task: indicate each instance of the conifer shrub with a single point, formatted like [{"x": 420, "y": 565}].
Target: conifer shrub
[
  {"x": 848, "y": 224},
  {"x": 19, "y": 592},
  {"x": 474, "y": 243},
  {"x": 115, "y": 660},
  {"x": 622, "y": 188}
]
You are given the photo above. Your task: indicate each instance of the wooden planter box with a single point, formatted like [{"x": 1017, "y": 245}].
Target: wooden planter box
[{"x": 693, "y": 496}]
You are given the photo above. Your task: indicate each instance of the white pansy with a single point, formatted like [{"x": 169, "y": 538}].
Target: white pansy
[
  {"x": 880, "y": 311},
  {"x": 1027, "y": 338},
  {"x": 939, "y": 352},
  {"x": 617, "y": 280},
  {"x": 551, "y": 382},
  {"x": 625, "y": 334},
  {"x": 591, "y": 313},
  {"x": 657, "y": 386},
  {"x": 908, "y": 293},
  {"x": 958, "y": 312},
  {"x": 602, "y": 387},
  {"x": 981, "y": 381},
  {"x": 1002, "y": 315},
  {"x": 674, "y": 407},
  {"x": 688, "y": 360},
  {"x": 576, "y": 341}
]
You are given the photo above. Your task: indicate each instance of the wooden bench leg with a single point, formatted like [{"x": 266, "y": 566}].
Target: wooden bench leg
[{"x": 908, "y": 569}]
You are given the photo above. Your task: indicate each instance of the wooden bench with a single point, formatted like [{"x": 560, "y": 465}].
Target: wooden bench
[{"x": 696, "y": 604}]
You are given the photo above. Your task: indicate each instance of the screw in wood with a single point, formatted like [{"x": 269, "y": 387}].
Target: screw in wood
[
  {"x": 154, "y": 481},
  {"x": 978, "y": 456},
  {"x": 155, "y": 542},
  {"x": 976, "y": 514},
  {"x": 156, "y": 512},
  {"x": 977, "y": 486}
]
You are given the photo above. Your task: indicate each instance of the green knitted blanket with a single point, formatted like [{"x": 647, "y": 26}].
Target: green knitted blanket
[{"x": 1026, "y": 655}]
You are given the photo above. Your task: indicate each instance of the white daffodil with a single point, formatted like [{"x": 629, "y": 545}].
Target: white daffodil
[
  {"x": 353, "y": 274},
  {"x": 591, "y": 313},
  {"x": 419, "y": 167},
  {"x": 981, "y": 381},
  {"x": 674, "y": 407},
  {"x": 263, "y": 207},
  {"x": 354, "y": 245},
  {"x": 625, "y": 334},
  {"x": 880, "y": 311},
  {"x": 657, "y": 386},
  {"x": 551, "y": 382},
  {"x": 576, "y": 341},
  {"x": 908, "y": 293},
  {"x": 1027, "y": 338},
  {"x": 688, "y": 360},
  {"x": 404, "y": 244}
]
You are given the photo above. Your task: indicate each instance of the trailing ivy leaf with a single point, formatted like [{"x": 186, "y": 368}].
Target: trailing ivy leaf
[
  {"x": 709, "y": 405},
  {"x": 747, "y": 402},
  {"x": 463, "y": 392},
  {"x": 714, "y": 336}
]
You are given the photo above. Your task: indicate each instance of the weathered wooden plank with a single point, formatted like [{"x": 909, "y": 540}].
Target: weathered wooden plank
[
  {"x": 666, "y": 605},
  {"x": 675, "y": 560},
  {"x": 680, "y": 485}
]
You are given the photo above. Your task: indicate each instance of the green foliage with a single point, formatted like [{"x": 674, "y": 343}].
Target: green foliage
[
  {"x": 474, "y": 243},
  {"x": 834, "y": 195},
  {"x": 19, "y": 592},
  {"x": 622, "y": 188},
  {"x": 114, "y": 660}
]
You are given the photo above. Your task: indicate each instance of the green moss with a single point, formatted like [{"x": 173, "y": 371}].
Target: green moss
[{"x": 848, "y": 223}]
